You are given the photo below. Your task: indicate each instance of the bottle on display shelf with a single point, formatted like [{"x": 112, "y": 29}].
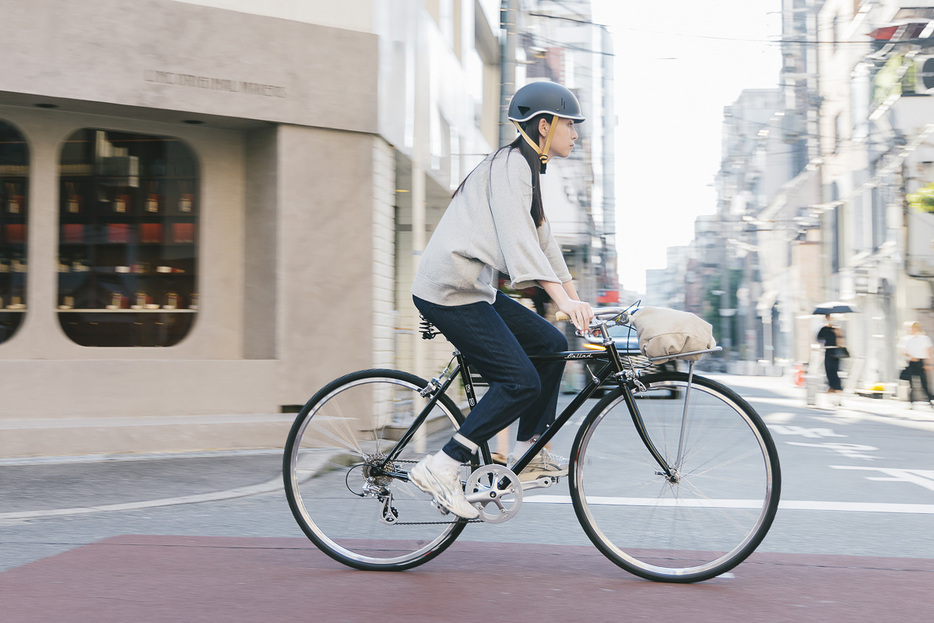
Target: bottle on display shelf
[
  {"x": 117, "y": 301},
  {"x": 153, "y": 199},
  {"x": 73, "y": 204},
  {"x": 172, "y": 301},
  {"x": 121, "y": 203},
  {"x": 186, "y": 198},
  {"x": 14, "y": 200}
]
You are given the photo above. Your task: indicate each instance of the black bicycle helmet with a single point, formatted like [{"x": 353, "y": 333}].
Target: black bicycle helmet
[{"x": 544, "y": 97}]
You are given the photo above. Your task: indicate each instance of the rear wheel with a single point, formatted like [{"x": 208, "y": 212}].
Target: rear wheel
[
  {"x": 346, "y": 497},
  {"x": 705, "y": 518}
]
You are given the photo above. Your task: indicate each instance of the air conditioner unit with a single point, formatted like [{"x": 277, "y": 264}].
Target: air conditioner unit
[{"x": 924, "y": 75}]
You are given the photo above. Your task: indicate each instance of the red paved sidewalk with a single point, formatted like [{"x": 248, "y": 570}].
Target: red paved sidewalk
[{"x": 173, "y": 578}]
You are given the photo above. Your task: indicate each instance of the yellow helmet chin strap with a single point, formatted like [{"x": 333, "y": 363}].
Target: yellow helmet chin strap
[{"x": 541, "y": 151}]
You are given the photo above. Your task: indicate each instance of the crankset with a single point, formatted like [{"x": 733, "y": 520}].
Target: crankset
[{"x": 495, "y": 491}]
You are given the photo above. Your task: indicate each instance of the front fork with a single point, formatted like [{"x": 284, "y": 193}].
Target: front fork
[{"x": 670, "y": 472}]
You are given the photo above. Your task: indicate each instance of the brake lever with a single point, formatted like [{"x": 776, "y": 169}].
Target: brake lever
[{"x": 562, "y": 317}]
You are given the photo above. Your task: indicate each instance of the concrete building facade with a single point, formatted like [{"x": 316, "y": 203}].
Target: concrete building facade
[{"x": 325, "y": 143}]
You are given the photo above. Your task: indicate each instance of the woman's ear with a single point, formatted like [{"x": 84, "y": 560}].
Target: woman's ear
[{"x": 542, "y": 127}]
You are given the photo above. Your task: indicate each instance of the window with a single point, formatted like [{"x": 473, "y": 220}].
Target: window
[
  {"x": 14, "y": 197},
  {"x": 835, "y": 32},
  {"x": 880, "y": 202},
  {"x": 837, "y": 133},
  {"x": 128, "y": 207},
  {"x": 835, "y": 229}
]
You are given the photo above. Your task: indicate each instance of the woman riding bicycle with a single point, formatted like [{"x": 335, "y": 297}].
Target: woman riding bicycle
[{"x": 496, "y": 223}]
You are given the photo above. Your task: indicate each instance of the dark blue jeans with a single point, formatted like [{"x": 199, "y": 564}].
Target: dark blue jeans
[{"x": 497, "y": 341}]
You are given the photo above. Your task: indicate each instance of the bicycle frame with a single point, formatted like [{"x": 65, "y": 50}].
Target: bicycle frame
[{"x": 613, "y": 365}]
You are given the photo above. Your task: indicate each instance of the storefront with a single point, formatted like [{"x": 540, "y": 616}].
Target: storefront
[{"x": 189, "y": 220}]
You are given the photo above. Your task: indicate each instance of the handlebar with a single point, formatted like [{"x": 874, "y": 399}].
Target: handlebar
[{"x": 602, "y": 314}]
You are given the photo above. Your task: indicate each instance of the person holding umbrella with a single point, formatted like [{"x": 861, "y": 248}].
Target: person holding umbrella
[
  {"x": 830, "y": 336},
  {"x": 834, "y": 307}
]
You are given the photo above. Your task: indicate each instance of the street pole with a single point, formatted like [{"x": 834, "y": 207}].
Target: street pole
[{"x": 509, "y": 17}]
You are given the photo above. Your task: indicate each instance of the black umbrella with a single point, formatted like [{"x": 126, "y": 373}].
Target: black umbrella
[{"x": 834, "y": 307}]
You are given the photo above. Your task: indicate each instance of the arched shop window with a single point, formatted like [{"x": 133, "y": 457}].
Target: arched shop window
[
  {"x": 128, "y": 252},
  {"x": 14, "y": 193}
]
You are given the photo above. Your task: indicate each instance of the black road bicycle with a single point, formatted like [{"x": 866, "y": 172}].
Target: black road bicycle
[{"x": 673, "y": 476}]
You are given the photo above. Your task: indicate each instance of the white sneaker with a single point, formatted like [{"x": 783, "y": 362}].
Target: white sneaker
[
  {"x": 543, "y": 464},
  {"x": 444, "y": 486}
]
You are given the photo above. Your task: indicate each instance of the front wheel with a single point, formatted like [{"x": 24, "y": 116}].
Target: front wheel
[
  {"x": 344, "y": 482},
  {"x": 705, "y": 517}
]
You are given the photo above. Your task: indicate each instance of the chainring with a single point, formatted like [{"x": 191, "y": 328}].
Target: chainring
[{"x": 495, "y": 491}]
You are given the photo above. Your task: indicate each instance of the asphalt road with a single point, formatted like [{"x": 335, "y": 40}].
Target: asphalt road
[{"x": 211, "y": 538}]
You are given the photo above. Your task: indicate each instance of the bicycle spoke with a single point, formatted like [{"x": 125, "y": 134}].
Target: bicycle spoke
[{"x": 342, "y": 435}]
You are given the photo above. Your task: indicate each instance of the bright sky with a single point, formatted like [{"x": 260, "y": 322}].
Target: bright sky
[{"x": 678, "y": 63}]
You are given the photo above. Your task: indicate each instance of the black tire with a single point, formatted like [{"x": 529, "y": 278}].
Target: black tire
[
  {"x": 708, "y": 519},
  {"x": 336, "y": 495}
]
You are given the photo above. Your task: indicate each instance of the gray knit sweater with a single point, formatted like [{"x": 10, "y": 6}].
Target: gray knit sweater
[{"x": 488, "y": 228}]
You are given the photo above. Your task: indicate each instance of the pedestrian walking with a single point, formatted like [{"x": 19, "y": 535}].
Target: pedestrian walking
[
  {"x": 916, "y": 347},
  {"x": 831, "y": 336}
]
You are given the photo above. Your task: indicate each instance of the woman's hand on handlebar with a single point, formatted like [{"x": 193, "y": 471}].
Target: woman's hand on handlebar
[
  {"x": 565, "y": 297},
  {"x": 579, "y": 312}
]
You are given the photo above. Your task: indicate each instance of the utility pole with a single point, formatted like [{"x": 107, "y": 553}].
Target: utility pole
[{"x": 509, "y": 18}]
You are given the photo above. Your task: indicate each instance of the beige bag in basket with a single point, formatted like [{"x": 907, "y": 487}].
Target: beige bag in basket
[{"x": 664, "y": 332}]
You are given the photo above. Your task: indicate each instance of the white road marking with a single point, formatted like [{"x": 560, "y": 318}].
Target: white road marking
[
  {"x": 849, "y": 450},
  {"x": 777, "y": 417},
  {"x": 810, "y": 433},
  {"x": 266, "y": 487},
  {"x": 795, "y": 505},
  {"x": 921, "y": 477}
]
